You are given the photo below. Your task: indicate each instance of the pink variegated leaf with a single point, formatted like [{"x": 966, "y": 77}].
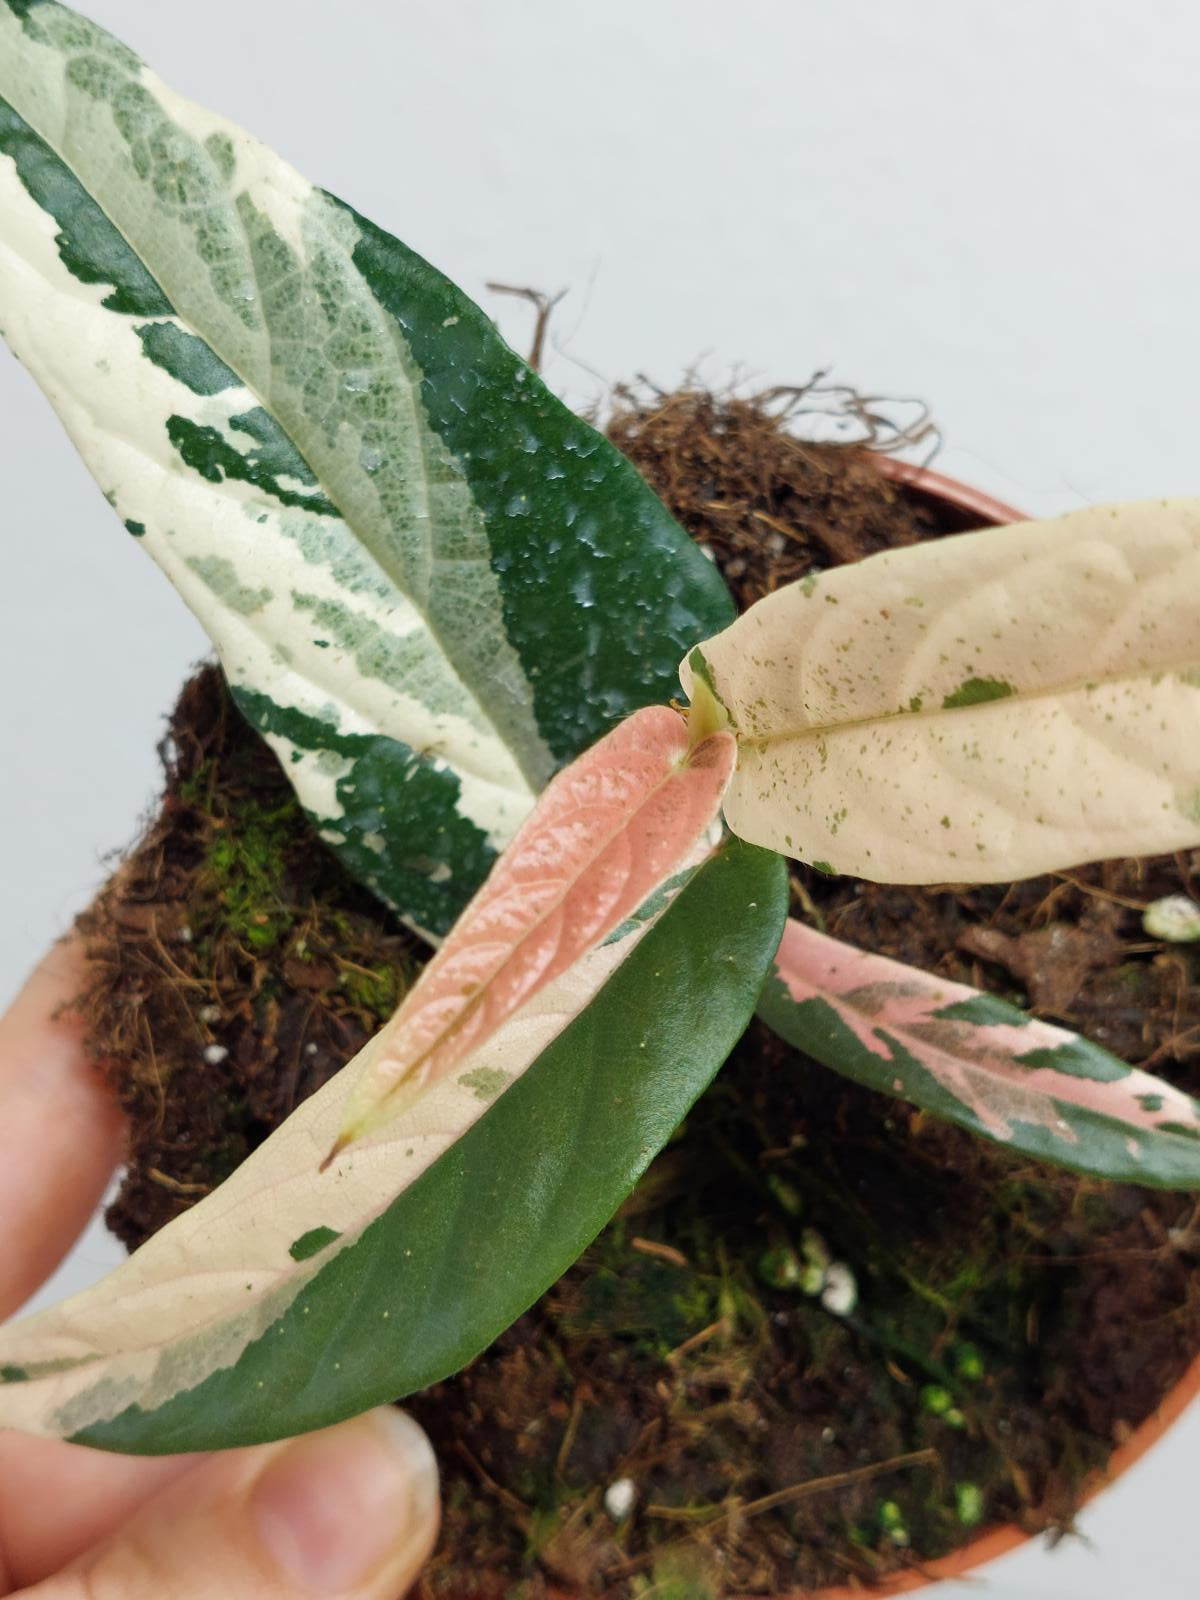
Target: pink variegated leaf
[
  {"x": 607, "y": 832},
  {"x": 980, "y": 1062}
]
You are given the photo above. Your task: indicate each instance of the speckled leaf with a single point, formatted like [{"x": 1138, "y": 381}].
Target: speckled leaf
[
  {"x": 430, "y": 584},
  {"x": 978, "y": 708},
  {"x": 290, "y": 1298},
  {"x": 615, "y": 825},
  {"x": 980, "y": 1062}
]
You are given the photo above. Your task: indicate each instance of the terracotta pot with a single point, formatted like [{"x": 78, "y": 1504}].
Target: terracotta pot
[
  {"x": 971, "y": 507},
  {"x": 974, "y": 509}
]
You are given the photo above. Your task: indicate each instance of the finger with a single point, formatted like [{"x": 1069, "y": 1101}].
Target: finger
[
  {"x": 60, "y": 1128},
  {"x": 350, "y": 1512},
  {"x": 57, "y": 1500},
  {"x": 60, "y": 1137}
]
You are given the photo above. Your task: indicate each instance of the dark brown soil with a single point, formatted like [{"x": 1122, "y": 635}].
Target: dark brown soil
[
  {"x": 1013, "y": 1323},
  {"x": 770, "y": 507},
  {"x": 235, "y": 965}
]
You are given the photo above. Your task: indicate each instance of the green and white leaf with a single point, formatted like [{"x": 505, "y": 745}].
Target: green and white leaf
[
  {"x": 978, "y": 708},
  {"x": 289, "y": 1298},
  {"x": 980, "y": 1062},
  {"x": 430, "y": 584}
]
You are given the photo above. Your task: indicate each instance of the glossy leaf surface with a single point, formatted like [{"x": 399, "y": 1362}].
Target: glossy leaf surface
[
  {"x": 430, "y": 584},
  {"x": 980, "y": 1062},
  {"x": 604, "y": 837}
]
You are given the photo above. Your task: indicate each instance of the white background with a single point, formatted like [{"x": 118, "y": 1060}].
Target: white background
[{"x": 990, "y": 203}]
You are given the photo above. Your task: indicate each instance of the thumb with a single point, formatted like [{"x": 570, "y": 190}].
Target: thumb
[{"x": 350, "y": 1512}]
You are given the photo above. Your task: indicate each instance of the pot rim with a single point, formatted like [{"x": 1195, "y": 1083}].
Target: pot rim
[{"x": 938, "y": 486}]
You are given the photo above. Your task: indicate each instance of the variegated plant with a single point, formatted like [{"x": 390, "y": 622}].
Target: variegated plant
[{"x": 432, "y": 587}]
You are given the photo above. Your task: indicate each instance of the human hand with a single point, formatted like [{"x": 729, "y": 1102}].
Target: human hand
[{"x": 351, "y": 1511}]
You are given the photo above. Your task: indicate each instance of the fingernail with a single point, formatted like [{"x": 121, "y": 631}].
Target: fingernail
[{"x": 336, "y": 1507}]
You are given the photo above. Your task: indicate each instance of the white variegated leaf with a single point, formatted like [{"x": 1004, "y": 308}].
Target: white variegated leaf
[
  {"x": 292, "y": 1295},
  {"x": 398, "y": 539},
  {"x": 977, "y": 708},
  {"x": 221, "y": 1273}
]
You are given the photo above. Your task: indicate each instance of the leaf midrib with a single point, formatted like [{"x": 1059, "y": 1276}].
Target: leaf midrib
[
  {"x": 477, "y": 998},
  {"x": 1017, "y": 697}
]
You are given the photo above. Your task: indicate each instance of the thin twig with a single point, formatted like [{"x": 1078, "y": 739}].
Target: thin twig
[
  {"x": 545, "y": 304},
  {"x": 837, "y": 1480},
  {"x": 664, "y": 1252},
  {"x": 568, "y": 1438},
  {"x": 1101, "y": 894},
  {"x": 154, "y": 1068},
  {"x": 807, "y": 1488},
  {"x": 505, "y": 1496},
  {"x": 770, "y": 1502},
  {"x": 175, "y": 1185},
  {"x": 721, "y": 1325}
]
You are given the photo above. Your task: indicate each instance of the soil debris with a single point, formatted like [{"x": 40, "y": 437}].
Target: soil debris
[
  {"x": 1052, "y": 962},
  {"x": 770, "y": 507}
]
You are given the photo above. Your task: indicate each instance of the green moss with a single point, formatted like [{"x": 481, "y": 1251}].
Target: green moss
[
  {"x": 785, "y": 1193},
  {"x": 682, "y": 1575},
  {"x": 781, "y": 1268},
  {"x": 378, "y": 990},
  {"x": 195, "y": 789},
  {"x": 969, "y": 1363},
  {"x": 653, "y": 1304},
  {"x": 246, "y": 863},
  {"x": 969, "y": 1503}
]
